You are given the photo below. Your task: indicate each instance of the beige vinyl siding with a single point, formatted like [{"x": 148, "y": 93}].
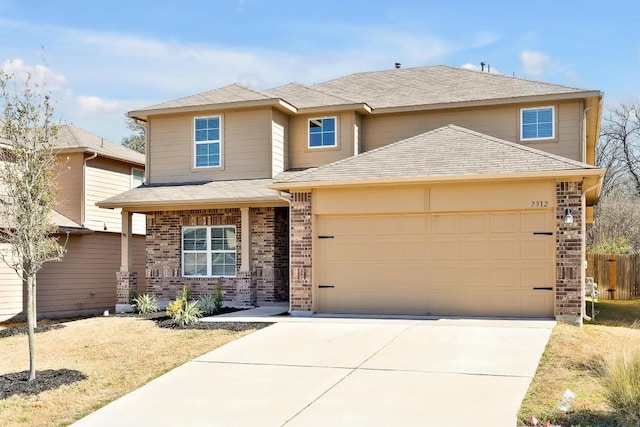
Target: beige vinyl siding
[
  {"x": 105, "y": 178},
  {"x": 10, "y": 290},
  {"x": 69, "y": 196},
  {"x": 86, "y": 277},
  {"x": 246, "y": 147},
  {"x": 279, "y": 143},
  {"x": 304, "y": 157},
  {"x": 498, "y": 121}
]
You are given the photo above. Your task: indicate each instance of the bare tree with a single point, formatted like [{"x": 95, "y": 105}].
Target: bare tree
[
  {"x": 135, "y": 141},
  {"x": 619, "y": 149},
  {"x": 27, "y": 174}
]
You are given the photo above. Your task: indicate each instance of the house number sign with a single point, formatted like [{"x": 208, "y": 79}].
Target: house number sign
[{"x": 539, "y": 203}]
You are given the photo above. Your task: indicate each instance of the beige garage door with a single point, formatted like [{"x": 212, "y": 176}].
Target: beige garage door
[{"x": 476, "y": 264}]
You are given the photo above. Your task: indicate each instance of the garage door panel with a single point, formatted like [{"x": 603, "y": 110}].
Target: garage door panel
[{"x": 484, "y": 263}]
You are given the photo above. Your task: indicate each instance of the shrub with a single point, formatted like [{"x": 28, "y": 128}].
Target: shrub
[
  {"x": 207, "y": 304},
  {"x": 188, "y": 314},
  {"x": 145, "y": 304},
  {"x": 621, "y": 381},
  {"x": 183, "y": 311},
  {"x": 133, "y": 294},
  {"x": 217, "y": 298}
]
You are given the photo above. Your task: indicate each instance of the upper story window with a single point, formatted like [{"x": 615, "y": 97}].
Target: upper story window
[
  {"x": 322, "y": 132},
  {"x": 207, "y": 140},
  {"x": 137, "y": 177},
  {"x": 537, "y": 123}
]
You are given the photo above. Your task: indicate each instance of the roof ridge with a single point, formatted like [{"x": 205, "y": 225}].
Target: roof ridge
[{"x": 243, "y": 86}]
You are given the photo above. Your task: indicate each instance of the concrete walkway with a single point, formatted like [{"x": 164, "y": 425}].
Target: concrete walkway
[{"x": 347, "y": 372}]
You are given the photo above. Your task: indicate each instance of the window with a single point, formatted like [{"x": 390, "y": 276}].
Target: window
[
  {"x": 137, "y": 177},
  {"x": 209, "y": 251},
  {"x": 537, "y": 123},
  {"x": 322, "y": 132},
  {"x": 207, "y": 141}
]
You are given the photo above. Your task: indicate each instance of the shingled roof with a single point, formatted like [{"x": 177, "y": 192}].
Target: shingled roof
[
  {"x": 73, "y": 138},
  {"x": 379, "y": 90},
  {"x": 449, "y": 151}
]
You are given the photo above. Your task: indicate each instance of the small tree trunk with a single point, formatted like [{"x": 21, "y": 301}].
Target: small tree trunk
[
  {"x": 31, "y": 322},
  {"x": 34, "y": 290}
]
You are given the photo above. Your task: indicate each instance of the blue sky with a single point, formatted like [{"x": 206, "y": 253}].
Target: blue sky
[{"x": 105, "y": 58}]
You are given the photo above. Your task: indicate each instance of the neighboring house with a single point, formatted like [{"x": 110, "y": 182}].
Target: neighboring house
[
  {"x": 430, "y": 191},
  {"x": 82, "y": 282}
]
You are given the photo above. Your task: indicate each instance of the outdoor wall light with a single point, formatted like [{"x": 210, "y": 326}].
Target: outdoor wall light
[{"x": 568, "y": 216}]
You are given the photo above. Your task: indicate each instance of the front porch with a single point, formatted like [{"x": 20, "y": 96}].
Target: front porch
[{"x": 258, "y": 242}]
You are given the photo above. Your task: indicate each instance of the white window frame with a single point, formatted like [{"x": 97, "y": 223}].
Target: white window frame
[
  {"x": 132, "y": 175},
  {"x": 209, "y": 251},
  {"x": 335, "y": 132},
  {"x": 553, "y": 123},
  {"x": 211, "y": 141}
]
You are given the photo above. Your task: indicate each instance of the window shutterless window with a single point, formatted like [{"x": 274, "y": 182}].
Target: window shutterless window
[
  {"x": 537, "y": 123},
  {"x": 137, "y": 177},
  {"x": 209, "y": 251},
  {"x": 322, "y": 132},
  {"x": 207, "y": 141}
]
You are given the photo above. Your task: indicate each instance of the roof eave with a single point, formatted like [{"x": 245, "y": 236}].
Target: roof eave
[
  {"x": 571, "y": 173},
  {"x": 359, "y": 107},
  {"x": 486, "y": 102},
  {"x": 150, "y": 204},
  {"x": 101, "y": 154},
  {"x": 270, "y": 102}
]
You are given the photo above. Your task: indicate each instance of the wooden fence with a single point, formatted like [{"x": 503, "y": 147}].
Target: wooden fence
[{"x": 617, "y": 276}]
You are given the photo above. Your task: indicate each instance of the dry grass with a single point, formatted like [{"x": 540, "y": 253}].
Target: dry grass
[
  {"x": 117, "y": 354},
  {"x": 570, "y": 361}
]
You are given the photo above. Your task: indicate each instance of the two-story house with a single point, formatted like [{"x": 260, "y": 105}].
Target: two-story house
[
  {"x": 430, "y": 191},
  {"x": 82, "y": 283}
]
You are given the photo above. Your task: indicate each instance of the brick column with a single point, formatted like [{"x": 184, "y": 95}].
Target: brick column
[
  {"x": 125, "y": 280},
  {"x": 569, "y": 254},
  {"x": 301, "y": 240}
]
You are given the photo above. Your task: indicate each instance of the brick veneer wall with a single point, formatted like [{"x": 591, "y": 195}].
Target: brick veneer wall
[
  {"x": 281, "y": 255},
  {"x": 301, "y": 240},
  {"x": 164, "y": 256},
  {"x": 569, "y": 254}
]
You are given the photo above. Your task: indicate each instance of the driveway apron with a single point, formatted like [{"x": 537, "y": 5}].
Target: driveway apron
[{"x": 347, "y": 372}]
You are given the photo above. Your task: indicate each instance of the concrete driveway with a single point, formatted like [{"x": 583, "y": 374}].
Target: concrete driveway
[{"x": 347, "y": 372}]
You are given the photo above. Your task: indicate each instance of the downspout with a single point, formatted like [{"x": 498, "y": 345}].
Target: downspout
[
  {"x": 584, "y": 129},
  {"x": 584, "y": 302},
  {"x": 287, "y": 198},
  {"x": 84, "y": 187}
]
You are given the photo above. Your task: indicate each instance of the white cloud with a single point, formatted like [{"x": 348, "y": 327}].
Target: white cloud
[
  {"x": 487, "y": 68},
  {"x": 93, "y": 105},
  {"x": 533, "y": 62},
  {"x": 40, "y": 74}
]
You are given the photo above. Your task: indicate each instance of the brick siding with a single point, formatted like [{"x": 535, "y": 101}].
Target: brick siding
[
  {"x": 569, "y": 254},
  {"x": 164, "y": 256},
  {"x": 301, "y": 239}
]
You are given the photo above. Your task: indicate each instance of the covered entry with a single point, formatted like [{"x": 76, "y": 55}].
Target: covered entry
[{"x": 465, "y": 249}]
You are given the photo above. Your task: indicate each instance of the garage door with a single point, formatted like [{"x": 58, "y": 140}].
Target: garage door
[{"x": 469, "y": 264}]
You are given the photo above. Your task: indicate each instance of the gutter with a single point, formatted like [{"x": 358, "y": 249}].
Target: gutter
[{"x": 287, "y": 199}]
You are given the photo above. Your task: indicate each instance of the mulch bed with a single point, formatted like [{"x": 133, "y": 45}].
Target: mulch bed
[
  {"x": 23, "y": 329},
  {"x": 17, "y": 382}
]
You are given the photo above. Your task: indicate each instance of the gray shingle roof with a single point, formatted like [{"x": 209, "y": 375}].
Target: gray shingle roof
[
  {"x": 449, "y": 151},
  {"x": 248, "y": 190},
  {"x": 71, "y": 137},
  {"x": 434, "y": 85},
  {"x": 232, "y": 93},
  {"x": 304, "y": 97},
  {"x": 430, "y": 85}
]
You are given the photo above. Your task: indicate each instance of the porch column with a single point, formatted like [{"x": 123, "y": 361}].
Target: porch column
[
  {"x": 245, "y": 250},
  {"x": 126, "y": 279}
]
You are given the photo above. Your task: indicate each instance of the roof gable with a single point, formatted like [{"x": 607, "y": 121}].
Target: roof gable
[
  {"x": 449, "y": 151},
  {"x": 232, "y": 93}
]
